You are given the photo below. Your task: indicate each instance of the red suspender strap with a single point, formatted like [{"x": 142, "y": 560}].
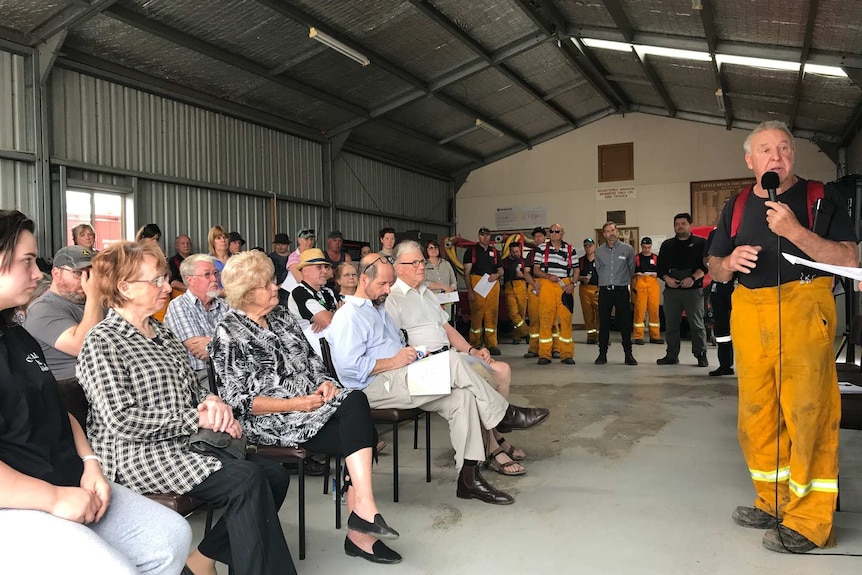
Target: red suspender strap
[{"x": 813, "y": 192}]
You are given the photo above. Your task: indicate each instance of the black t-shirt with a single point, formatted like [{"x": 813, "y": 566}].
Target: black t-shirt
[
  {"x": 35, "y": 433},
  {"x": 754, "y": 231},
  {"x": 646, "y": 264},
  {"x": 485, "y": 261},
  {"x": 511, "y": 267},
  {"x": 680, "y": 258},
  {"x": 587, "y": 267}
]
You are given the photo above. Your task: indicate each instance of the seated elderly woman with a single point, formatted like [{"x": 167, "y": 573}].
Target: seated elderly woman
[
  {"x": 346, "y": 280},
  {"x": 282, "y": 395},
  {"x": 58, "y": 511},
  {"x": 145, "y": 402}
]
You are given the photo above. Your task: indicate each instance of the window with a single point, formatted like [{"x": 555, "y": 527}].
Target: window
[{"x": 106, "y": 212}]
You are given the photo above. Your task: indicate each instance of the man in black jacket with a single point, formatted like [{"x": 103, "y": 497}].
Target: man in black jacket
[{"x": 681, "y": 267}]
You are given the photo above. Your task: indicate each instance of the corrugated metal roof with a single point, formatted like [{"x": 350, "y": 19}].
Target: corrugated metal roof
[{"x": 437, "y": 65}]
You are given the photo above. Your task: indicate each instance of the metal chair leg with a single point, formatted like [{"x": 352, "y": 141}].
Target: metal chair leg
[
  {"x": 301, "y": 476},
  {"x": 395, "y": 462},
  {"x": 337, "y": 493},
  {"x": 427, "y": 447}
]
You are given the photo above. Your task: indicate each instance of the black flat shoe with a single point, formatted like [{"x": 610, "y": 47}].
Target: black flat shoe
[
  {"x": 382, "y": 553},
  {"x": 378, "y": 529}
]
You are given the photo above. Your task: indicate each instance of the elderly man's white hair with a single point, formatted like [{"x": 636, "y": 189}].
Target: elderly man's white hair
[
  {"x": 770, "y": 125},
  {"x": 404, "y": 247}
]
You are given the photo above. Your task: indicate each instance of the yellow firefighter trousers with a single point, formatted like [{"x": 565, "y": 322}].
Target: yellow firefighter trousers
[
  {"x": 516, "y": 301},
  {"x": 590, "y": 306},
  {"x": 645, "y": 294},
  {"x": 550, "y": 308},
  {"x": 807, "y": 416},
  {"x": 483, "y": 315},
  {"x": 534, "y": 312}
]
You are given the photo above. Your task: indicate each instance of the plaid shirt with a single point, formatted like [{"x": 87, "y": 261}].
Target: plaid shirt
[
  {"x": 187, "y": 318},
  {"x": 143, "y": 406}
]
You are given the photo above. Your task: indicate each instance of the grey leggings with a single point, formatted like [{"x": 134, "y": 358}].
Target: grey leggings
[{"x": 135, "y": 535}]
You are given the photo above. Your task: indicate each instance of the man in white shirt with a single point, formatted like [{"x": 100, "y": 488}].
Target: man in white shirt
[{"x": 415, "y": 310}]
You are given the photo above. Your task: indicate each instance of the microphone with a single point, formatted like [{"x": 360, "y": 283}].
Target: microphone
[{"x": 770, "y": 182}]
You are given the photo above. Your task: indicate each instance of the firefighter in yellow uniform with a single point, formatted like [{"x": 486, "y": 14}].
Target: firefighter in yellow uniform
[
  {"x": 480, "y": 259},
  {"x": 533, "y": 287},
  {"x": 515, "y": 290},
  {"x": 645, "y": 294},
  {"x": 788, "y": 386},
  {"x": 588, "y": 290},
  {"x": 553, "y": 266}
]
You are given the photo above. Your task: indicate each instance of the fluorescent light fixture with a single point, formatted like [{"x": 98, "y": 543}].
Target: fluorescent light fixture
[
  {"x": 607, "y": 44},
  {"x": 673, "y": 53},
  {"x": 488, "y": 127},
  {"x": 719, "y": 96},
  {"x": 448, "y": 139},
  {"x": 762, "y": 63},
  {"x": 825, "y": 70},
  {"x": 756, "y": 62},
  {"x": 338, "y": 46}
]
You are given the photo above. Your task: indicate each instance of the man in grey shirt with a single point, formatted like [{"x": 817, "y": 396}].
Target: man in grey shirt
[
  {"x": 63, "y": 315},
  {"x": 615, "y": 266}
]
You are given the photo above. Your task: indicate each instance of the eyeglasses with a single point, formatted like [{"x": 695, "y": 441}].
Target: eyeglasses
[
  {"x": 414, "y": 263},
  {"x": 363, "y": 268},
  {"x": 213, "y": 275},
  {"x": 555, "y": 231},
  {"x": 157, "y": 281},
  {"x": 76, "y": 273}
]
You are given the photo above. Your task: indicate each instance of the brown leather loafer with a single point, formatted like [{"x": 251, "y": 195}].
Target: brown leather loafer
[
  {"x": 471, "y": 485},
  {"x": 522, "y": 418}
]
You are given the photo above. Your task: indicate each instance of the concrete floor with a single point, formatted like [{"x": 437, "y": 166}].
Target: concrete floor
[{"x": 636, "y": 472}]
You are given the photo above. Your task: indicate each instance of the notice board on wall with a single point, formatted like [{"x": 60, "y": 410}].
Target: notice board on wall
[{"x": 708, "y": 197}]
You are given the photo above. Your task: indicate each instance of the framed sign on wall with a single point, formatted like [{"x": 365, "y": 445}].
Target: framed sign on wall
[{"x": 708, "y": 197}]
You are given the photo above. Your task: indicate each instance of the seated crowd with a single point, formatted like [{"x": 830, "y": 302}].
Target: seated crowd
[{"x": 148, "y": 388}]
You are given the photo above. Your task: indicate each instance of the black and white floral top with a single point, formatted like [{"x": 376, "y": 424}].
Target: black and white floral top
[{"x": 251, "y": 361}]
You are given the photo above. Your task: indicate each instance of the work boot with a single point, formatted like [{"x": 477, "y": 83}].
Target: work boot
[
  {"x": 638, "y": 341},
  {"x": 785, "y": 540},
  {"x": 753, "y": 518},
  {"x": 544, "y": 361},
  {"x": 555, "y": 355},
  {"x": 701, "y": 360},
  {"x": 568, "y": 361},
  {"x": 602, "y": 359},
  {"x": 530, "y": 354},
  {"x": 721, "y": 370},
  {"x": 630, "y": 359},
  {"x": 494, "y": 350},
  {"x": 658, "y": 340},
  {"x": 667, "y": 360}
]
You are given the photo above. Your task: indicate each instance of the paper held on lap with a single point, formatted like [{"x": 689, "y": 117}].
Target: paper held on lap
[
  {"x": 430, "y": 376},
  {"x": 448, "y": 297},
  {"x": 852, "y": 273}
]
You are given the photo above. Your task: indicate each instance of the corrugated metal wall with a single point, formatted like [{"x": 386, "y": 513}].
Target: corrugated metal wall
[
  {"x": 407, "y": 198},
  {"x": 17, "y": 134},
  {"x": 190, "y": 168},
  {"x": 101, "y": 123}
]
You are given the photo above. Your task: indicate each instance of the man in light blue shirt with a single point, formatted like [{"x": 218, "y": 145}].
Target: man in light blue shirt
[
  {"x": 369, "y": 354},
  {"x": 194, "y": 315}
]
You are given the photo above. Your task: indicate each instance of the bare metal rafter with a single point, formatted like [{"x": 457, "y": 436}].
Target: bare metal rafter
[
  {"x": 813, "y": 5},
  {"x": 185, "y": 40},
  {"x": 707, "y": 18}
]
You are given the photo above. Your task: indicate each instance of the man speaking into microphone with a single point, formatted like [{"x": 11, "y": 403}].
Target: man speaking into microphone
[{"x": 783, "y": 326}]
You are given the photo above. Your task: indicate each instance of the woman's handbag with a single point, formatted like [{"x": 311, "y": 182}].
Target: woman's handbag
[{"x": 211, "y": 442}]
